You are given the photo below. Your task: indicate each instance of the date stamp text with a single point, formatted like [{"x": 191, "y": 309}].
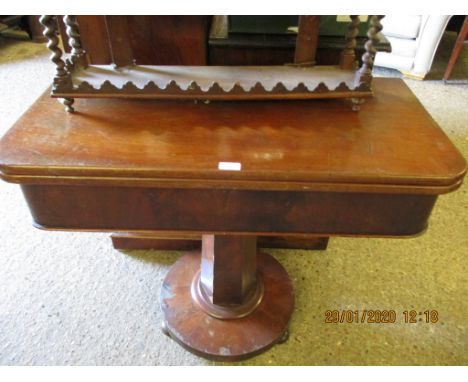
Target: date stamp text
[{"x": 372, "y": 316}]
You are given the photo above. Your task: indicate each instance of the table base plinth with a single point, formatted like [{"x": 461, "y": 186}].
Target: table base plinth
[
  {"x": 173, "y": 242},
  {"x": 226, "y": 339}
]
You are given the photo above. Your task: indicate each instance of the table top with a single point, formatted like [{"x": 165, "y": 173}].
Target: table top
[{"x": 391, "y": 145}]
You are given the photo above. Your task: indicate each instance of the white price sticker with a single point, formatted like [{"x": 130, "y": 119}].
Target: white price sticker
[{"x": 229, "y": 166}]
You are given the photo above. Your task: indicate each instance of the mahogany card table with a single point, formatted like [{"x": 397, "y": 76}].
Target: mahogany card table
[{"x": 290, "y": 173}]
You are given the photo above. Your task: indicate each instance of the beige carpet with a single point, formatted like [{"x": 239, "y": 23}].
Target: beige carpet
[{"x": 71, "y": 299}]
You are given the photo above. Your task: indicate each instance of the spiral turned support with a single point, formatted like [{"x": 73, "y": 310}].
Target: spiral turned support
[
  {"x": 365, "y": 72},
  {"x": 348, "y": 55},
  {"x": 50, "y": 32},
  {"x": 62, "y": 76},
  {"x": 77, "y": 52}
]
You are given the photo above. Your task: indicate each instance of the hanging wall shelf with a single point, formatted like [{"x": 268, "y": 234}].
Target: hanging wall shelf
[{"x": 75, "y": 78}]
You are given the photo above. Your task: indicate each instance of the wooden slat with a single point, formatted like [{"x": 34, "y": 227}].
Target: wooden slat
[
  {"x": 307, "y": 39},
  {"x": 119, "y": 40},
  {"x": 93, "y": 32}
]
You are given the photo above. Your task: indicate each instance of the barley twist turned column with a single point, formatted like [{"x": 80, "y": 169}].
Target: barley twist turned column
[
  {"x": 61, "y": 74},
  {"x": 348, "y": 55},
  {"x": 365, "y": 72},
  {"x": 77, "y": 52}
]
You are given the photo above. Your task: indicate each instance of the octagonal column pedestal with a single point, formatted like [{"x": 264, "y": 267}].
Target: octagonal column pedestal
[{"x": 229, "y": 302}]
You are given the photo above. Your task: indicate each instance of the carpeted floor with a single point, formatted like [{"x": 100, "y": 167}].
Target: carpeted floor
[{"x": 71, "y": 299}]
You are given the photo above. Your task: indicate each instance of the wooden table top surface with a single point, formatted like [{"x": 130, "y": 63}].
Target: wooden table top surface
[{"x": 391, "y": 145}]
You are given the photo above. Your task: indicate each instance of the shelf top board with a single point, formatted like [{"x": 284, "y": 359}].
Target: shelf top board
[{"x": 391, "y": 145}]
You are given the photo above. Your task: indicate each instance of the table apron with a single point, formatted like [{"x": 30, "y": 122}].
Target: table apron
[{"x": 227, "y": 210}]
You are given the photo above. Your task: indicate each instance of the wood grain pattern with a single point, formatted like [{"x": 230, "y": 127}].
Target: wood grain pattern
[
  {"x": 154, "y": 40},
  {"x": 169, "y": 40},
  {"x": 303, "y": 169},
  {"x": 227, "y": 340},
  {"x": 306, "y": 40},
  {"x": 394, "y": 147},
  {"x": 227, "y": 211},
  {"x": 93, "y": 33},
  {"x": 119, "y": 43},
  {"x": 228, "y": 271}
]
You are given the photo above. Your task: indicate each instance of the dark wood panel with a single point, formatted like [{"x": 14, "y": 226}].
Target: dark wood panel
[
  {"x": 322, "y": 213},
  {"x": 94, "y": 39},
  {"x": 246, "y": 49},
  {"x": 169, "y": 40},
  {"x": 35, "y": 29},
  {"x": 119, "y": 43},
  {"x": 220, "y": 55},
  {"x": 182, "y": 242},
  {"x": 183, "y": 40},
  {"x": 154, "y": 40},
  {"x": 306, "y": 40}
]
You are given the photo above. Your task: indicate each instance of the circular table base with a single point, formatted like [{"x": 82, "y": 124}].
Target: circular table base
[{"x": 226, "y": 339}]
